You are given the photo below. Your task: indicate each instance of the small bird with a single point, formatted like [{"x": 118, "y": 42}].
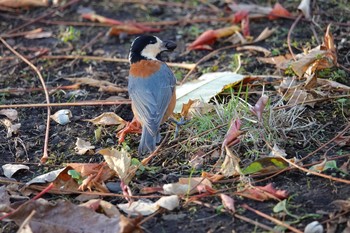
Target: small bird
[{"x": 151, "y": 88}]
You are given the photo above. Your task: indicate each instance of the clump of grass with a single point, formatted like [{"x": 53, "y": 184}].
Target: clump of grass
[{"x": 276, "y": 127}]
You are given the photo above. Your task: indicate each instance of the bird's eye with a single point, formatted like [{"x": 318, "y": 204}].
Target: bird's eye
[{"x": 153, "y": 41}]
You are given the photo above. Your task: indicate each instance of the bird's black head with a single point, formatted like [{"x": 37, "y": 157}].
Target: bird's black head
[{"x": 149, "y": 48}]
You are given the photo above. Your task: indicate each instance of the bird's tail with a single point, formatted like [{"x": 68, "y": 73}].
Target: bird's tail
[{"x": 148, "y": 141}]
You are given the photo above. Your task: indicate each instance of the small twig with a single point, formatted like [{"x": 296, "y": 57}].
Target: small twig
[
  {"x": 85, "y": 103},
  {"x": 46, "y": 142},
  {"x": 106, "y": 59},
  {"x": 307, "y": 170},
  {"x": 45, "y": 190},
  {"x": 274, "y": 220},
  {"x": 243, "y": 218},
  {"x": 146, "y": 160},
  {"x": 289, "y": 35}
]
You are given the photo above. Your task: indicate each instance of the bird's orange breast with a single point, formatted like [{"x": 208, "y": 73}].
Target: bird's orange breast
[{"x": 144, "y": 68}]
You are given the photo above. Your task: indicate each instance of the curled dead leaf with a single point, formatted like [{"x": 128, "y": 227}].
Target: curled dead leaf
[
  {"x": 81, "y": 146},
  {"x": 11, "y": 114},
  {"x": 108, "y": 118},
  {"x": 62, "y": 116}
]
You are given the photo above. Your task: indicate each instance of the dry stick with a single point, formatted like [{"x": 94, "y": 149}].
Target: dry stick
[
  {"x": 42, "y": 16},
  {"x": 107, "y": 59},
  {"x": 274, "y": 220},
  {"x": 253, "y": 222},
  {"x": 145, "y": 161},
  {"x": 307, "y": 170},
  {"x": 289, "y": 34},
  {"x": 85, "y": 103},
  {"x": 325, "y": 144},
  {"x": 45, "y": 155}
]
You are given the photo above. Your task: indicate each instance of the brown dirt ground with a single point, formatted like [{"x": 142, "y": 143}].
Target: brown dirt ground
[{"x": 308, "y": 194}]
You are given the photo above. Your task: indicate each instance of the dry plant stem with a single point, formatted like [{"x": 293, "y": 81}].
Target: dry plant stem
[
  {"x": 307, "y": 170},
  {"x": 42, "y": 16},
  {"x": 187, "y": 66},
  {"x": 159, "y": 211},
  {"x": 253, "y": 222},
  {"x": 45, "y": 154},
  {"x": 146, "y": 160},
  {"x": 290, "y": 33},
  {"x": 274, "y": 220},
  {"x": 85, "y": 103},
  {"x": 26, "y": 221},
  {"x": 325, "y": 144},
  {"x": 45, "y": 190}
]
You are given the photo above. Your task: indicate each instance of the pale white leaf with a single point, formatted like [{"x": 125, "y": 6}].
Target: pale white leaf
[
  {"x": 119, "y": 161},
  {"x": 81, "y": 146},
  {"x": 304, "y": 7},
  {"x": 62, "y": 116},
  {"x": 205, "y": 87},
  {"x": 9, "y": 113},
  {"x": 10, "y": 169}
]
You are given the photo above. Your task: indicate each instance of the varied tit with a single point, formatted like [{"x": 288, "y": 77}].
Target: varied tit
[{"x": 151, "y": 88}]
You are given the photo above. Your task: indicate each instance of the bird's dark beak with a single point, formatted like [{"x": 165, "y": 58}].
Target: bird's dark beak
[{"x": 168, "y": 45}]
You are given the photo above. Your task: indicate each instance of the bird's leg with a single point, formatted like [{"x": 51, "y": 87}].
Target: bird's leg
[
  {"x": 131, "y": 127},
  {"x": 179, "y": 123}
]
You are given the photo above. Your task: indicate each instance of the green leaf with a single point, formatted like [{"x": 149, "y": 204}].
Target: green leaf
[{"x": 265, "y": 165}]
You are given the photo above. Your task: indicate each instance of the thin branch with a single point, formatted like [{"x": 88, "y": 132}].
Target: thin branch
[
  {"x": 289, "y": 35},
  {"x": 106, "y": 59},
  {"x": 274, "y": 220},
  {"x": 85, "y": 103},
  {"x": 45, "y": 154}
]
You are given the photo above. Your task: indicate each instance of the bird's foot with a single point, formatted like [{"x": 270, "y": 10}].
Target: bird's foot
[
  {"x": 179, "y": 123},
  {"x": 131, "y": 127}
]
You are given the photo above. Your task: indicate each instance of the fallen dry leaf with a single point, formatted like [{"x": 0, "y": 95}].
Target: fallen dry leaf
[
  {"x": 63, "y": 216},
  {"x": 11, "y": 169},
  {"x": 108, "y": 118},
  {"x": 81, "y": 146},
  {"x": 25, "y": 3},
  {"x": 228, "y": 202},
  {"x": 230, "y": 166},
  {"x": 259, "y": 107},
  {"x": 263, "y": 193},
  {"x": 102, "y": 84},
  {"x": 278, "y": 11},
  {"x": 147, "y": 207},
  {"x": 120, "y": 162},
  {"x": 266, "y": 33},
  {"x": 11, "y": 114},
  {"x": 101, "y": 19},
  {"x": 11, "y": 128},
  {"x": 208, "y": 37},
  {"x": 124, "y": 28},
  {"x": 304, "y": 7},
  {"x": 62, "y": 116},
  {"x": 255, "y": 48},
  {"x": 188, "y": 186},
  {"x": 232, "y": 134}
]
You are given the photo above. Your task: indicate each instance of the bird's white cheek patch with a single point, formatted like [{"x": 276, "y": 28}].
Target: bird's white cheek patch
[{"x": 151, "y": 51}]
